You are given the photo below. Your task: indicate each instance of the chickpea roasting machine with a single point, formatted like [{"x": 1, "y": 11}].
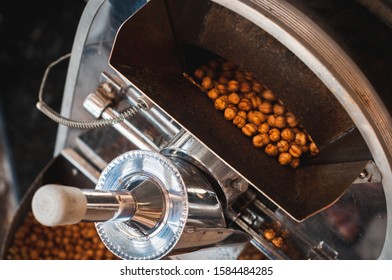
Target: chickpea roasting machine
[{"x": 142, "y": 152}]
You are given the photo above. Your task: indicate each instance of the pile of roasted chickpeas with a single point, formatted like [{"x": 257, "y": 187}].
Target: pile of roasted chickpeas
[
  {"x": 276, "y": 234},
  {"x": 256, "y": 110},
  {"x": 33, "y": 241}
]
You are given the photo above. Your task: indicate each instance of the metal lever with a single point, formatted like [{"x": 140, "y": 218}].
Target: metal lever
[{"x": 55, "y": 205}]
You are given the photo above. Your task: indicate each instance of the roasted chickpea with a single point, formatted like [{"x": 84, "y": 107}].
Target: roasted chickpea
[
  {"x": 313, "y": 149},
  {"x": 257, "y": 87},
  {"x": 280, "y": 122},
  {"x": 274, "y": 135},
  {"x": 207, "y": 83},
  {"x": 234, "y": 98},
  {"x": 278, "y": 242},
  {"x": 256, "y": 117},
  {"x": 256, "y": 101},
  {"x": 283, "y": 146},
  {"x": 249, "y": 76},
  {"x": 279, "y": 109},
  {"x": 239, "y": 122},
  {"x": 295, "y": 163},
  {"x": 223, "y": 80},
  {"x": 265, "y": 107},
  {"x": 260, "y": 140},
  {"x": 300, "y": 138},
  {"x": 268, "y": 95},
  {"x": 245, "y": 104},
  {"x": 285, "y": 158},
  {"x": 242, "y": 114},
  {"x": 199, "y": 73},
  {"x": 249, "y": 129},
  {"x": 233, "y": 86},
  {"x": 213, "y": 94},
  {"x": 245, "y": 87},
  {"x": 271, "y": 120},
  {"x": 291, "y": 119},
  {"x": 287, "y": 135},
  {"x": 295, "y": 150},
  {"x": 269, "y": 234},
  {"x": 220, "y": 103},
  {"x": 230, "y": 113},
  {"x": 264, "y": 128},
  {"x": 222, "y": 89},
  {"x": 271, "y": 150}
]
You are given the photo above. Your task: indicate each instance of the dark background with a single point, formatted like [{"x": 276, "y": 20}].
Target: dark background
[{"x": 33, "y": 34}]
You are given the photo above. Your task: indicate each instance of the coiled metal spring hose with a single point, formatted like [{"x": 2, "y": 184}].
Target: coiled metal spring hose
[{"x": 80, "y": 124}]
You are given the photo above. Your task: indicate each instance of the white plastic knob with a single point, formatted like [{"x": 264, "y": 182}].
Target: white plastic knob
[{"x": 55, "y": 205}]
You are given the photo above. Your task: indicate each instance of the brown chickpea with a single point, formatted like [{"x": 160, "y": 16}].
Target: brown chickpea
[
  {"x": 245, "y": 87},
  {"x": 283, "y": 146},
  {"x": 279, "y": 109},
  {"x": 256, "y": 117},
  {"x": 199, "y": 73},
  {"x": 239, "y": 122},
  {"x": 271, "y": 150},
  {"x": 207, "y": 83},
  {"x": 242, "y": 114},
  {"x": 223, "y": 80},
  {"x": 295, "y": 150},
  {"x": 220, "y": 103},
  {"x": 265, "y": 107},
  {"x": 295, "y": 163},
  {"x": 314, "y": 150},
  {"x": 271, "y": 120},
  {"x": 239, "y": 75},
  {"x": 268, "y": 95},
  {"x": 233, "y": 86},
  {"x": 278, "y": 242},
  {"x": 213, "y": 94},
  {"x": 300, "y": 138},
  {"x": 245, "y": 104},
  {"x": 287, "y": 135},
  {"x": 291, "y": 119},
  {"x": 249, "y": 129},
  {"x": 305, "y": 148},
  {"x": 257, "y": 87},
  {"x": 249, "y": 76},
  {"x": 260, "y": 140},
  {"x": 234, "y": 98},
  {"x": 285, "y": 158},
  {"x": 256, "y": 101},
  {"x": 280, "y": 122},
  {"x": 250, "y": 94},
  {"x": 274, "y": 135},
  {"x": 269, "y": 234},
  {"x": 264, "y": 128},
  {"x": 230, "y": 113},
  {"x": 222, "y": 89}
]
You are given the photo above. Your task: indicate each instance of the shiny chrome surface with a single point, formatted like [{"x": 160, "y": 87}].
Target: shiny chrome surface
[
  {"x": 319, "y": 236},
  {"x": 170, "y": 196},
  {"x": 187, "y": 147},
  {"x": 103, "y": 206}
]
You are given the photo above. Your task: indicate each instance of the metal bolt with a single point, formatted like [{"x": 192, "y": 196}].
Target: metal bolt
[{"x": 363, "y": 175}]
